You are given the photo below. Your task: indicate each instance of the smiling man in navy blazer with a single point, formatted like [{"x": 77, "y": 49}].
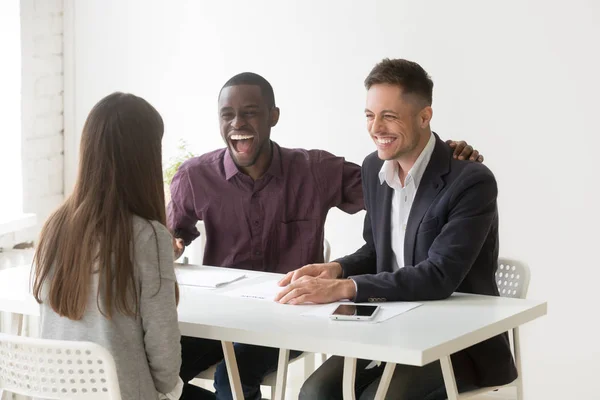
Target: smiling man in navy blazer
[{"x": 431, "y": 229}]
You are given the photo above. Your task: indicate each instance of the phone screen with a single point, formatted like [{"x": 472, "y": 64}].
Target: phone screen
[{"x": 356, "y": 310}]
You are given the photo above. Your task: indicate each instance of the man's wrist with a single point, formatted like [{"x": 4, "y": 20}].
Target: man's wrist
[
  {"x": 338, "y": 271},
  {"x": 348, "y": 290}
]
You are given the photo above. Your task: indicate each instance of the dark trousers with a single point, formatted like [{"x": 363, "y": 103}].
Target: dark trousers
[
  {"x": 408, "y": 382},
  {"x": 254, "y": 364}
]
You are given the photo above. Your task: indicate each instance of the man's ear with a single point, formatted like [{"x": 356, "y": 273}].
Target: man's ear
[
  {"x": 274, "y": 116},
  {"x": 425, "y": 117}
]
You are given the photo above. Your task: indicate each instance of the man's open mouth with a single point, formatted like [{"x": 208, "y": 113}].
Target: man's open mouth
[{"x": 242, "y": 143}]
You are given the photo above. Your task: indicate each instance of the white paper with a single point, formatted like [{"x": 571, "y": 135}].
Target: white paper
[
  {"x": 259, "y": 291},
  {"x": 204, "y": 277},
  {"x": 387, "y": 311}
]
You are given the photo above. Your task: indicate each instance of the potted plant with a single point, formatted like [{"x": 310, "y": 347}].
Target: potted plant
[{"x": 173, "y": 165}]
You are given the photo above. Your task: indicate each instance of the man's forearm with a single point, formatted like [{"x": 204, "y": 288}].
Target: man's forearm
[{"x": 363, "y": 261}]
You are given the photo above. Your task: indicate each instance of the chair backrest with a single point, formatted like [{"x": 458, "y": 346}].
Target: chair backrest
[
  {"x": 326, "y": 251},
  {"x": 512, "y": 277},
  {"x": 202, "y": 238},
  {"x": 57, "y": 369},
  {"x": 194, "y": 253}
]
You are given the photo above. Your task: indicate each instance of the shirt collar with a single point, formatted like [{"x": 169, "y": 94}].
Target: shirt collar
[
  {"x": 389, "y": 170},
  {"x": 231, "y": 169},
  {"x": 275, "y": 169}
]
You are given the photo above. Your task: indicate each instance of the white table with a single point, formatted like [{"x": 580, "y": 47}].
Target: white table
[{"x": 418, "y": 337}]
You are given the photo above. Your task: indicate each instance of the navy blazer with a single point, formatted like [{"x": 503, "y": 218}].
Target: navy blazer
[{"x": 450, "y": 245}]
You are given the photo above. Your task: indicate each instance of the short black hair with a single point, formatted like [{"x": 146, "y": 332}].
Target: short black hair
[
  {"x": 250, "y": 78},
  {"x": 409, "y": 75}
]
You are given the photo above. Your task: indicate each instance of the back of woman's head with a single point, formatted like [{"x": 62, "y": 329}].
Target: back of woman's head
[
  {"x": 120, "y": 157},
  {"x": 120, "y": 175}
]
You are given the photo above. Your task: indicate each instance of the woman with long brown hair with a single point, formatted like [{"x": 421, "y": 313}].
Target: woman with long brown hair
[{"x": 104, "y": 262}]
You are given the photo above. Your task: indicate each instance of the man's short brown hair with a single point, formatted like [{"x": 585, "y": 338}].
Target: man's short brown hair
[{"x": 409, "y": 75}]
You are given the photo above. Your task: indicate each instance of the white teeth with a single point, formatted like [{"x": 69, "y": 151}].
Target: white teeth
[
  {"x": 384, "y": 140},
  {"x": 241, "y": 137}
]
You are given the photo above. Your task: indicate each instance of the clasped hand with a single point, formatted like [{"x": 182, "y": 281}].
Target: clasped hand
[{"x": 315, "y": 283}]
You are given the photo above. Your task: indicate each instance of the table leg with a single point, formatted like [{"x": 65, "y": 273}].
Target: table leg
[
  {"x": 449, "y": 379},
  {"x": 282, "y": 370},
  {"x": 16, "y": 324},
  {"x": 232, "y": 371},
  {"x": 309, "y": 364},
  {"x": 517, "y": 349},
  {"x": 384, "y": 383},
  {"x": 349, "y": 381}
]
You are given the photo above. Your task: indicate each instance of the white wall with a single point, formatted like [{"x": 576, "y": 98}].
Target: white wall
[
  {"x": 518, "y": 79},
  {"x": 10, "y": 148},
  {"x": 41, "y": 112},
  {"x": 42, "y": 106},
  {"x": 41, "y": 128}
]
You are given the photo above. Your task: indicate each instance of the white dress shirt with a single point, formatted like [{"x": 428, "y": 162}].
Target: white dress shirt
[{"x": 403, "y": 197}]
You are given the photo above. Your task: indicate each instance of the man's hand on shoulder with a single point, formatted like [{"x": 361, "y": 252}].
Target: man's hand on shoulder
[
  {"x": 464, "y": 151},
  {"x": 331, "y": 270}
]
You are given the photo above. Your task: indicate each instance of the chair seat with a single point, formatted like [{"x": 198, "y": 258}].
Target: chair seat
[
  {"x": 270, "y": 380},
  {"x": 209, "y": 373}
]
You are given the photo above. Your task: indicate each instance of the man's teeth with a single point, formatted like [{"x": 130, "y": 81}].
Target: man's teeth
[
  {"x": 241, "y": 137},
  {"x": 385, "y": 140}
]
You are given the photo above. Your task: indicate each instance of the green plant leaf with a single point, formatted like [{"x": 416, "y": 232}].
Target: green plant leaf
[{"x": 175, "y": 162}]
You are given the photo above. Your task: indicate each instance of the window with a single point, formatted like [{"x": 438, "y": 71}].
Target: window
[{"x": 11, "y": 194}]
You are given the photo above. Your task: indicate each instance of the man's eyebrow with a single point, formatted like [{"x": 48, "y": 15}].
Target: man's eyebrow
[{"x": 382, "y": 112}]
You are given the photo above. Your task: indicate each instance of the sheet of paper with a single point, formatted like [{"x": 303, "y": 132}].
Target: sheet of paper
[
  {"x": 207, "y": 277},
  {"x": 387, "y": 311},
  {"x": 259, "y": 291}
]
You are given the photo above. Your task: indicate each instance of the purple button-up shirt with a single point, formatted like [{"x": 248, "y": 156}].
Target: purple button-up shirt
[{"x": 273, "y": 224}]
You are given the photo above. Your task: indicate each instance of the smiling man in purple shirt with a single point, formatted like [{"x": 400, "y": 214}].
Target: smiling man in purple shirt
[{"x": 264, "y": 208}]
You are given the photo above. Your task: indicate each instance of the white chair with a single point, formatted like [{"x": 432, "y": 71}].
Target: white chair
[
  {"x": 57, "y": 369},
  {"x": 271, "y": 379},
  {"x": 194, "y": 253},
  {"x": 512, "y": 278},
  {"x": 326, "y": 251}
]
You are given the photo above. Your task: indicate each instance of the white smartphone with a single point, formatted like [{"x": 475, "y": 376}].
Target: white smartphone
[{"x": 354, "y": 312}]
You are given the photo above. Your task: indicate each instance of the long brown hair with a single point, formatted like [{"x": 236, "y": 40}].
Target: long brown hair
[{"x": 120, "y": 175}]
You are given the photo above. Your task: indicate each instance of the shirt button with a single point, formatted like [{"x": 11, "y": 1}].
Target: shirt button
[{"x": 256, "y": 222}]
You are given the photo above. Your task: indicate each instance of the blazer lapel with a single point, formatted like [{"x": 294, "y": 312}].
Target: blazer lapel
[{"x": 431, "y": 184}]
